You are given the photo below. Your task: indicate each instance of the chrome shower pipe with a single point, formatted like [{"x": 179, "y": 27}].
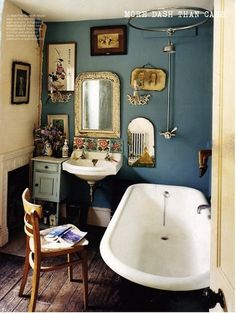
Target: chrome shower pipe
[
  {"x": 170, "y": 50},
  {"x": 168, "y": 134},
  {"x": 168, "y": 93}
]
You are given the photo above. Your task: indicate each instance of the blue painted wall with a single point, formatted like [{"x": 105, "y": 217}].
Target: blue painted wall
[{"x": 176, "y": 159}]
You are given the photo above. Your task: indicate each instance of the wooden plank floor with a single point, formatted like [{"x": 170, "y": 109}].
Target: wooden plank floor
[
  {"x": 56, "y": 292},
  {"x": 107, "y": 290}
]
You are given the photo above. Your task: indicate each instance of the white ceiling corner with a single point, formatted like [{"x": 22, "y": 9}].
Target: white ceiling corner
[{"x": 78, "y": 10}]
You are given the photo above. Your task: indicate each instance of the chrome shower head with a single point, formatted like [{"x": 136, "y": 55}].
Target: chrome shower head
[{"x": 169, "y": 48}]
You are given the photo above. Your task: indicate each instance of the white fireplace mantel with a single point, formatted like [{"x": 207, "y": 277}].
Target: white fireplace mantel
[{"x": 8, "y": 162}]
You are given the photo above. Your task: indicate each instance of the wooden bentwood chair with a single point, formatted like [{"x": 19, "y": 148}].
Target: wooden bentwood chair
[{"x": 38, "y": 249}]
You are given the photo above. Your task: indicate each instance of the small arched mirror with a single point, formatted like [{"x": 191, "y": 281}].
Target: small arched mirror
[
  {"x": 141, "y": 150},
  {"x": 97, "y": 105}
]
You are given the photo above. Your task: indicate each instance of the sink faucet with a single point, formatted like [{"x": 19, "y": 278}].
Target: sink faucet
[
  {"x": 202, "y": 207},
  {"x": 108, "y": 157},
  {"x": 83, "y": 156},
  {"x": 94, "y": 161}
]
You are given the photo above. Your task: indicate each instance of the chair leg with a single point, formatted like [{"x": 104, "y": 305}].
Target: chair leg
[
  {"x": 35, "y": 285},
  {"x": 85, "y": 277},
  {"x": 26, "y": 268},
  {"x": 70, "y": 268}
]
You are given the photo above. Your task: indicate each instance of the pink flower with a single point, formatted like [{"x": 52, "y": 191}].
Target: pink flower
[
  {"x": 90, "y": 144},
  {"x": 103, "y": 144},
  {"x": 79, "y": 142},
  {"x": 116, "y": 146}
]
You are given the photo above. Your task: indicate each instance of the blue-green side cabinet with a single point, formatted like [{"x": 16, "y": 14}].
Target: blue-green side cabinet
[{"x": 49, "y": 181}]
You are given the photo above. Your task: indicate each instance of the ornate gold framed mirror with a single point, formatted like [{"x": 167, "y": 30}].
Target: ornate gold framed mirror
[{"x": 97, "y": 105}]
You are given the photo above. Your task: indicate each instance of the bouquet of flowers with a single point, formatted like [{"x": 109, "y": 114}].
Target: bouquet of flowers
[{"x": 48, "y": 135}]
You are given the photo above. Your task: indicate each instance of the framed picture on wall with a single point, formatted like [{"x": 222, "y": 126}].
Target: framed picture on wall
[
  {"x": 61, "y": 122},
  {"x": 20, "y": 84},
  {"x": 61, "y": 66},
  {"x": 148, "y": 79},
  {"x": 107, "y": 40}
]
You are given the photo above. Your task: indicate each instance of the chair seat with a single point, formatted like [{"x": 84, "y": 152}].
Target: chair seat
[{"x": 54, "y": 246}]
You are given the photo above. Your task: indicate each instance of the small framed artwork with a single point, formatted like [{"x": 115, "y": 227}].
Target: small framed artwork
[
  {"x": 61, "y": 122},
  {"x": 108, "y": 40},
  {"x": 61, "y": 66},
  {"x": 148, "y": 79},
  {"x": 20, "y": 84}
]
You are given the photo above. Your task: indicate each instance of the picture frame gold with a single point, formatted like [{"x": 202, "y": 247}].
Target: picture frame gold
[
  {"x": 148, "y": 79},
  {"x": 108, "y": 40},
  {"x": 60, "y": 121}
]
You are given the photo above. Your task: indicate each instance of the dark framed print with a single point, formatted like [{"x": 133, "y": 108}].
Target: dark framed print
[
  {"x": 20, "y": 84},
  {"x": 61, "y": 66},
  {"x": 108, "y": 40}
]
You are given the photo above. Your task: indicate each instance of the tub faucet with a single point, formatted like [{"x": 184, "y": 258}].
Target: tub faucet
[
  {"x": 202, "y": 207},
  {"x": 166, "y": 194}
]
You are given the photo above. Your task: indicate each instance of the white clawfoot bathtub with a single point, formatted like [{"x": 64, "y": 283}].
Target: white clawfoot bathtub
[{"x": 157, "y": 239}]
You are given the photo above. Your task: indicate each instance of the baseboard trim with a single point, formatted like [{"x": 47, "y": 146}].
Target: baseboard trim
[{"x": 99, "y": 216}]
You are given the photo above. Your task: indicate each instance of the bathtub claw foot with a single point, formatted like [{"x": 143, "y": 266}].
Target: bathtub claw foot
[{"x": 213, "y": 298}]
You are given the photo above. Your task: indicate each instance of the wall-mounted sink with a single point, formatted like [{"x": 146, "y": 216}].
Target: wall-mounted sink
[{"x": 95, "y": 166}]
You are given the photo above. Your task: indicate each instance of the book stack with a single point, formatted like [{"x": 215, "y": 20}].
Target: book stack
[{"x": 65, "y": 234}]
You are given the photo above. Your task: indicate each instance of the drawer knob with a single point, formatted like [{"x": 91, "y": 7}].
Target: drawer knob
[
  {"x": 46, "y": 166},
  {"x": 36, "y": 185}
]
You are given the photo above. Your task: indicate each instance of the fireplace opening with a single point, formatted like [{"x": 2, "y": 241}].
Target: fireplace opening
[{"x": 18, "y": 180}]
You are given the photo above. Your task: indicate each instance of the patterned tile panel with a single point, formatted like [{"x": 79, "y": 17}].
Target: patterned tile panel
[{"x": 98, "y": 144}]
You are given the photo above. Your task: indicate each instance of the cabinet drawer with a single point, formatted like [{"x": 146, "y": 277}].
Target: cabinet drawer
[{"x": 44, "y": 166}]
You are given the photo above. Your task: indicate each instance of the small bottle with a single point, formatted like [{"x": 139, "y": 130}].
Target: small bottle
[
  {"x": 45, "y": 217},
  {"x": 65, "y": 149},
  {"x": 48, "y": 149}
]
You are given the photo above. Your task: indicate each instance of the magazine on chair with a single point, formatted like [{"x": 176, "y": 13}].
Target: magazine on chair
[{"x": 69, "y": 234}]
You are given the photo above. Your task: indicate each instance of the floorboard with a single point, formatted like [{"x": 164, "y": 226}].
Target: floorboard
[
  {"x": 108, "y": 292},
  {"x": 16, "y": 245}
]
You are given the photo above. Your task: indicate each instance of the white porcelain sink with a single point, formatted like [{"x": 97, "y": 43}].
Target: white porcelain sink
[{"x": 85, "y": 168}]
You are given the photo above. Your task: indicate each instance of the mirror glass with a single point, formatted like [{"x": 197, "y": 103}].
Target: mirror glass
[
  {"x": 141, "y": 152},
  {"x": 97, "y": 99},
  {"x": 97, "y": 105}
]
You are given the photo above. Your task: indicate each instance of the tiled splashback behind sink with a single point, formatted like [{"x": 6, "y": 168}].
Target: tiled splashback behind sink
[{"x": 96, "y": 144}]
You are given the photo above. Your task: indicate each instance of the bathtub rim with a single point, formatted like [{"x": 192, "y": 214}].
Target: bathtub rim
[{"x": 193, "y": 282}]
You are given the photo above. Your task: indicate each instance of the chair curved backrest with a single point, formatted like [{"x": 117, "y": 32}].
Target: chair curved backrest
[
  {"x": 28, "y": 206},
  {"x": 32, "y": 214}
]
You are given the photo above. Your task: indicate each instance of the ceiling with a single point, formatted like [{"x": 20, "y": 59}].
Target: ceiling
[{"x": 78, "y": 10}]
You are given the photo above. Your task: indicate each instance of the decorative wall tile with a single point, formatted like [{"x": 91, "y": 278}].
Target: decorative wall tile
[
  {"x": 116, "y": 145},
  {"x": 104, "y": 144},
  {"x": 91, "y": 144},
  {"x": 79, "y": 143},
  {"x": 98, "y": 144}
]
